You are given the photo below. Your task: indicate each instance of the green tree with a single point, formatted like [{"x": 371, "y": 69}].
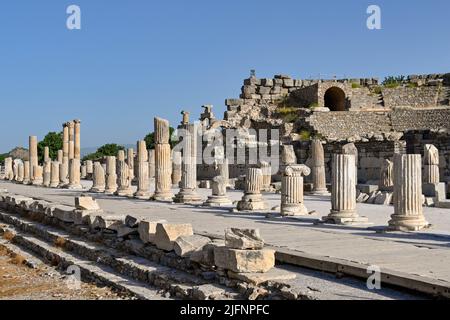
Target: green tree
[
  {"x": 54, "y": 143},
  {"x": 150, "y": 139},
  {"x": 2, "y": 158},
  {"x": 110, "y": 149}
]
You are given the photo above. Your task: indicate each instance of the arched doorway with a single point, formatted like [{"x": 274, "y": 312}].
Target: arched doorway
[{"x": 335, "y": 99}]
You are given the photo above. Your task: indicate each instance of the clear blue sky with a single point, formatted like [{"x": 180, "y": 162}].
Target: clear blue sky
[{"x": 136, "y": 59}]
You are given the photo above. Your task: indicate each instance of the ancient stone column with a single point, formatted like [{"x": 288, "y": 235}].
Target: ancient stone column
[
  {"x": 266, "y": 170},
  {"x": 60, "y": 156},
  {"x": 38, "y": 178},
  {"x": 188, "y": 186},
  {"x": 15, "y": 171},
  {"x": 71, "y": 125},
  {"x": 26, "y": 172},
  {"x": 219, "y": 186},
  {"x": 47, "y": 173},
  {"x": 71, "y": 150},
  {"x": 386, "y": 175},
  {"x": 74, "y": 175},
  {"x": 292, "y": 203},
  {"x": 77, "y": 139},
  {"x": 65, "y": 141},
  {"x": 142, "y": 174},
  {"x": 176, "y": 168},
  {"x": 318, "y": 168},
  {"x": 111, "y": 175},
  {"x": 124, "y": 181},
  {"x": 151, "y": 164},
  {"x": 431, "y": 165},
  {"x": 83, "y": 171},
  {"x": 408, "y": 212},
  {"x": 20, "y": 172},
  {"x": 163, "y": 165},
  {"x": 33, "y": 155},
  {"x": 98, "y": 178},
  {"x": 252, "y": 199},
  {"x": 54, "y": 175},
  {"x": 89, "y": 169},
  {"x": 64, "y": 172},
  {"x": 351, "y": 149},
  {"x": 343, "y": 193},
  {"x": 9, "y": 171},
  {"x": 46, "y": 154},
  {"x": 130, "y": 162}
]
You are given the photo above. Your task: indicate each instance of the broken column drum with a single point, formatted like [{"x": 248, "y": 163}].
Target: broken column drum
[{"x": 292, "y": 202}]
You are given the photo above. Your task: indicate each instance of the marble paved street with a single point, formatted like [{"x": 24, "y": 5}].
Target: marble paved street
[{"x": 425, "y": 253}]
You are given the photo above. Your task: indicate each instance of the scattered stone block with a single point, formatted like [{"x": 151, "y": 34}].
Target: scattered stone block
[
  {"x": 244, "y": 261},
  {"x": 362, "y": 197},
  {"x": 147, "y": 230},
  {"x": 166, "y": 234},
  {"x": 63, "y": 213},
  {"x": 184, "y": 246},
  {"x": 108, "y": 222},
  {"x": 206, "y": 255},
  {"x": 273, "y": 274},
  {"x": 86, "y": 203},
  {"x": 131, "y": 222},
  {"x": 124, "y": 231},
  {"x": 367, "y": 188},
  {"x": 384, "y": 198},
  {"x": 243, "y": 239}
]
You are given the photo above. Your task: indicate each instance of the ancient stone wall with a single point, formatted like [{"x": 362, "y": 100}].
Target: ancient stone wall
[{"x": 420, "y": 97}]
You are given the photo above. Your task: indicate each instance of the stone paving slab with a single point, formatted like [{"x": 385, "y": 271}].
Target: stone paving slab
[{"x": 418, "y": 253}]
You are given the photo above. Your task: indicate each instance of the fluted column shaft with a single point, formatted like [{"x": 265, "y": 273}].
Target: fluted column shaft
[
  {"x": 343, "y": 195},
  {"x": 65, "y": 141},
  {"x": 33, "y": 155},
  {"x": 71, "y": 125},
  {"x": 292, "y": 202},
  {"x": 163, "y": 165},
  {"x": 77, "y": 139},
  {"x": 111, "y": 175},
  {"x": 408, "y": 212},
  {"x": 318, "y": 167},
  {"x": 98, "y": 178},
  {"x": 54, "y": 175}
]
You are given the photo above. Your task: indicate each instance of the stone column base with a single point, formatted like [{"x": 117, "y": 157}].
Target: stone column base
[
  {"x": 407, "y": 223},
  {"x": 252, "y": 202},
  {"x": 54, "y": 185},
  {"x": 142, "y": 195},
  {"x": 218, "y": 201},
  {"x": 97, "y": 190},
  {"x": 187, "y": 196},
  {"x": 124, "y": 193},
  {"x": 37, "y": 182},
  {"x": 291, "y": 209},
  {"x": 163, "y": 196},
  {"x": 74, "y": 187},
  {"x": 323, "y": 192},
  {"x": 344, "y": 217},
  {"x": 110, "y": 192}
]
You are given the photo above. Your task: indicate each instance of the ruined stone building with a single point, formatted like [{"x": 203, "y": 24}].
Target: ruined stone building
[{"x": 380, "y": 119}]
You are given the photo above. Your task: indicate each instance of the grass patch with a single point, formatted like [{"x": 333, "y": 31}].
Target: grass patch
[
  {"x": 305, "y": 135},
  {"x": 60, "y": 242},
  {"x": 8, "y": 235},
  {"x": 356, "y": 85}
]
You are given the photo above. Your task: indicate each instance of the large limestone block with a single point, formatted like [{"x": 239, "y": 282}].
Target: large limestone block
[
  {"x": 147, "y": 230},
  {"x": 243, "y": 239},
  {"x": 244, "y": 260},
  {"x": 86, "y": 203},
  {"x": 166, "y": 234},
  {"x": 184, "y": 246},
  {"x": 108, "y": 222}
]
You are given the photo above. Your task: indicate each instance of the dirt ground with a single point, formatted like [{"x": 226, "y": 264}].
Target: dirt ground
[{"x": 19, "y": 282}]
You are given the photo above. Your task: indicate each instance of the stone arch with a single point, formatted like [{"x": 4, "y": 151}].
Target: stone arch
[{"x": 335, "y": 99}]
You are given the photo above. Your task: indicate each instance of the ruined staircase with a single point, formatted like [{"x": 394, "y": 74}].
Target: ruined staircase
[
  {"x": 380, "y": 100},
  {"x": 129, "y": 274}
]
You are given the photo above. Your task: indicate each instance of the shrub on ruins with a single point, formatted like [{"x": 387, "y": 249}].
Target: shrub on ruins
[
  {"x": 356, "y": 85},
  {"x": 110, "y": 149},
  {"x": 54, "y": 143},
  {"x": 150, "y": 139},
  {"x": 393, "y": 82},
  {"x": 3, "y": 157}
]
